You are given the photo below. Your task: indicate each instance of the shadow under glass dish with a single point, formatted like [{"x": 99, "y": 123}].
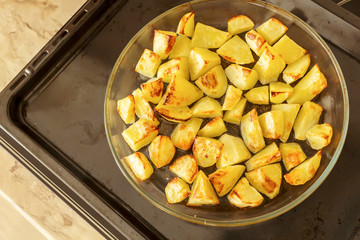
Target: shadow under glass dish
[{"x": 124, "y": 80}]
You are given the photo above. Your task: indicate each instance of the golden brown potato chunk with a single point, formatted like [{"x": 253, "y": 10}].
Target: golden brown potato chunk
[
  {"x": 232, "y": 97},
  {"x": 308, "y": 117},
  {"x": 177, "y": 190},
  {"x": 163, "y": 43},
  {"x": 311, "y": 85},
  {"x": 161, "y": 151},
  {"x": 289, "y": 50},
  {"x": 126, "y": 109},
  {"x": 236, "y": 51},
  {"x": 213, "y": 83},
  {"x": 242, "y": 77},
  {"x": 148, "y": 63},
  {"x": 270, "y": 154},
  {"x": 290, "y": 112},
  {"x": 202, "y": 60},
  {"x": 256, "y": 42},
  {"x": 292, "y": 155},
  {"x": 184, "y": 134},
  {"x": 258, "y": 95},
  {"x": 239, "y": 24},
  {"x": 272, "y": 124},
  {"x": 224, "y": 179},
  {"x": 202, "y": 192},
  {"x": 207, "y": 151},
  {"x": 319, "y": 136},
  {"x": 186, "y": 25},
  {"x": 185, "y": 167},
  {"x": 244, "y": 195},
  {"x": 140, "y": 134},
  {"x": 140, "y": 165},
  {"x": 266, "y": 179},
  {"x": 279, "y": 92},
  {"x": 143, "y": 108},
  {"x": 177, "y": 67},
  {"x": 214, "y": 128},
  {"x": 180, "y": 93},
  {"x": 251, "y": 131},
  {"x": 305, "y": 171},
  {"x": 234, "y": 151},
  {"x": 297, "y": 69},
  {"x": 208, "y": 37},
  {"x": 206, "y": 108},
  {"x": 153, "y": 89},
  {"x": 234, "y": 115},
  {"x": 272, "y": 30}
]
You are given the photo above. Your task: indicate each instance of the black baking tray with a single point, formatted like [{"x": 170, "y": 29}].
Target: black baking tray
[{"x": 51, "y": 120}]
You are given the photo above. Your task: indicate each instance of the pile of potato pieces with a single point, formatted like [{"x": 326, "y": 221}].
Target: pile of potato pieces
[{"x": 191, "y": 60}]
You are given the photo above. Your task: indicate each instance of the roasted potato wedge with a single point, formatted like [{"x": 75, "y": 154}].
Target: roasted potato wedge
[
  {"x": 236, "y": 51},
  {"x": 258, "y": 95},
  {"x": 272, "y": 124},
  {"x": 319, "y": 136},
  {"x": 272, "y": 30},
  {"x": 251, "y": 131},
  {"x": 140, "y": 165},
  {"x": 297, "y": 69},
  {"x": 234, "y": 151},
  {"x": 305, "y": 171},
  {"x": 153, "y": 89},
  {"x": 239, "y": 24},
  {"x": 186, "y": 25},
  {"x": 279, "y": 92},
  {"x": 244, "y": 195},
  {"x": 206, "y": 108},
  {"x": 242, "y": 77},
  {"x": 141, "y": 133},
  {"x": 266, "y": 179},
  {"x": 182, "y": 47},
  {"x": 202, "y": 192},
  {"x": 177, "y": 190},
  {"x": 143, "y": 108},
  {"x": 234, "y": 115},
  {"x": 180, "y": 93},
  {"x": 289, "y": 50},
  {"x": 202, "y": 60},
  {"x": 232, "y": 97},
  {"x": 256, "y": 42},
  {"x": 126, "y": 109},
  {"x": 269, "y": 66},
  {"x": 311, "y": 85},
  {"x": 224, "y": 179},
  {"x": 290, "y": 112},
  {"x": 292, "y": 155},
  {"x": 214, "y": 128},
  {"x": 208, "y": 37},
  {"x": 308, "y": 117},
  {"x": 161, "y": 151},
  {"x": 148, "y": 63},
  {"x": 173, "y": 114},
  {"x": 185, "y": 167},
  {"x": 207, "y": 151},
  {"x": 184, "y": 134},
  {"x": 177, "y": 67},
  {"x": 213, "y": 83},
  {"x": 163, "y": 43},
  {"x": 270, "y": 154}
]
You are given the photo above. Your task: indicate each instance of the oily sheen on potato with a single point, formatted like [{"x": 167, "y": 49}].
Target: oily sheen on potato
[{"x": 210, "y": 81}]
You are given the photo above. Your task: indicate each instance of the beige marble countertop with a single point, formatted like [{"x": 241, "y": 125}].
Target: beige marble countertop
[{"x": 28, "y": 209}]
